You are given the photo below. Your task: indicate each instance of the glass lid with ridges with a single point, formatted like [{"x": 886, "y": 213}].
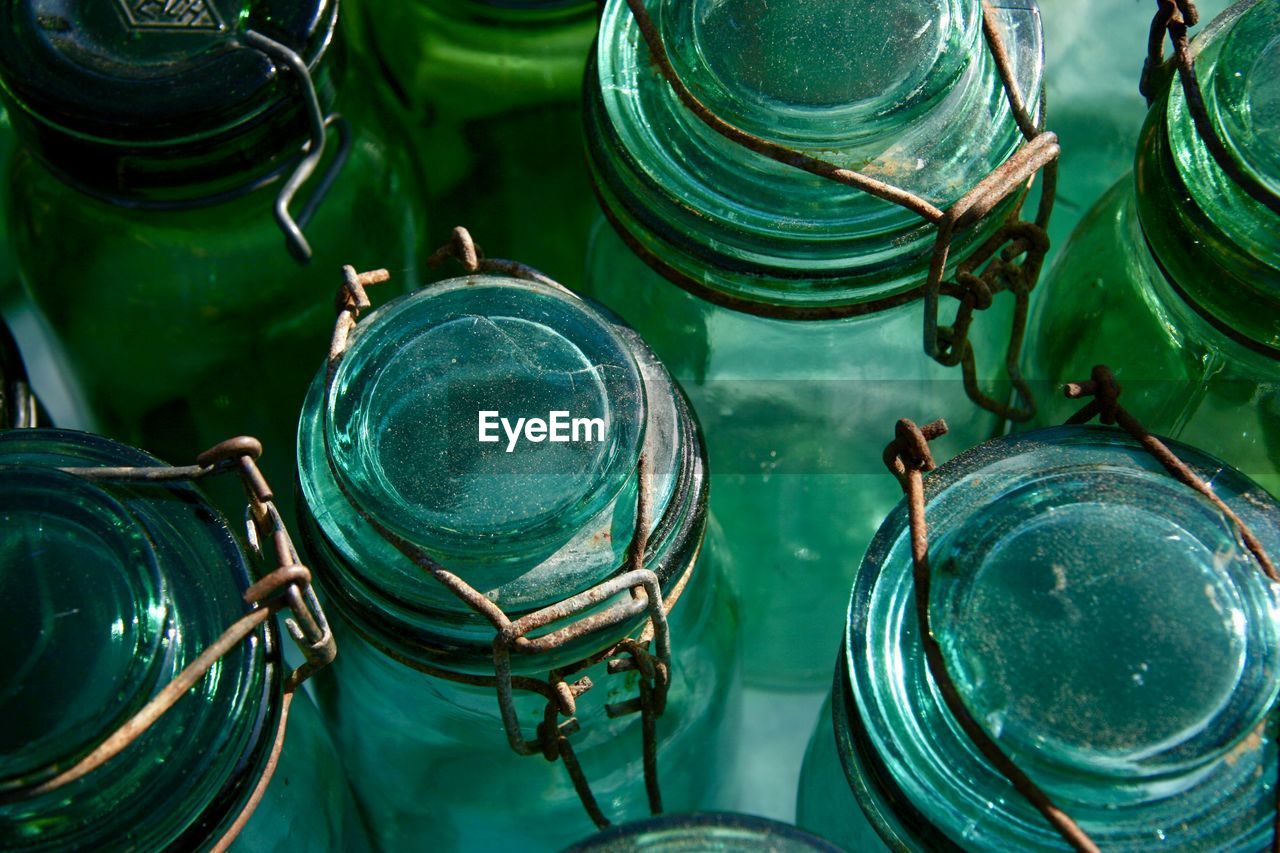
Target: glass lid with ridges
[
  {"x": 1197, "y": 216},
  {"x": 768, "y": 230},
  {"x": 430, "y": 431},
  {"x": 150, "y": 72},
  {"x": 77, "y": 569},
  {"x": 1102, "y": 621},
  {"x": 113, "y": 588}
]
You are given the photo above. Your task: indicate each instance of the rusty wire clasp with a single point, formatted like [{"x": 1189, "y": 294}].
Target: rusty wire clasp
[{"x": 312, "y": 150}]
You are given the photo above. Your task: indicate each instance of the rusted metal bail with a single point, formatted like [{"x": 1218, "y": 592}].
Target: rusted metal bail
[
  {"x": 646, "y": 597},
  {"x": 312, "y": 151},
  {"x": 1173, "y": 17},
  {"x": 908, "y": 458},
  {"x": 287, "y": 587},
  {"x": 949, "y": 345}
]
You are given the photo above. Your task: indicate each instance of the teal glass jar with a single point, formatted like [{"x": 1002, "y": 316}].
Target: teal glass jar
[
  {"x": 1102, "y": 622},
  {"x": 112, "y": 589},
  {"x": 156, "y": 139},
  {"x": 704, "y": 831},
  {"x": 709, "y": 239},
  {"x": 1174, "y": 277},
  {"x": 490, "y": 92},
  {"x": 426, "y": 454}
]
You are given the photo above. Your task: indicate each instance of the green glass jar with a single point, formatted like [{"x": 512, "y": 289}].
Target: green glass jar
[
  {"x": 111, "y": 589},
  {"x": 1173, "y": 279},
  {"x": 909, "y": 95},
  {"x": 156, "y": 141},
  {"x": 704, "y": 831},
  {"x": 1103, "y": 622},
  {"x": 1093, "y": 62},
  {"x": 430, "y": 430},
  {"x": 491, "y": 94}
]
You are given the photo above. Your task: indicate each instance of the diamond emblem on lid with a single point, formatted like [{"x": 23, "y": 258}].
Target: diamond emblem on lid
[{"x": 170, "y": 15}]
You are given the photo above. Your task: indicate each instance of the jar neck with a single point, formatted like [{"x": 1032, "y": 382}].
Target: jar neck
[
  {"x": 185, "y": 780},
  {"x": 743, "y": 228},
  {"x": 1218, "y": 248},
  {"x": 182, "y": 171}
]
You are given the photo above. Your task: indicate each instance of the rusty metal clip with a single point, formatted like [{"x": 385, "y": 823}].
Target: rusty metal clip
[{"x": 312, "y": 150}]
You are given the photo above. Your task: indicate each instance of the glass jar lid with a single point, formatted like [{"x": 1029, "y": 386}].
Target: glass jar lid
[
  {"x": 496, "y": 425},
  {"x": 148, "y": 72},
  {"x": 906, "y": 93},
  {"x": 478, "y": 412},
  {"x": 113, "y": 588},
  {"x": 1218, "y": 245},
  {"x": 1106, "y": 626},
  {"x": 88, "y": 613}
]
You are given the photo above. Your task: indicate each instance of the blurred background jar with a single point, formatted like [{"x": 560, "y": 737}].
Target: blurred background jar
[
  {"x": 1173, "y": 279},
  {"x": 490, "y": 92},
  {"x": 156, "y": 143},
  {"x": 112, "y": 589},
  {"x": 398, "y": 486},
  {"x": 789, "y": 305},
  {"x": 1102, "y": 622}
]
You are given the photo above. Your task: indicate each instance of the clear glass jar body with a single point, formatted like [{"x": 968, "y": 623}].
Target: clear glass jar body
[
  {"x": 795, "y": 416},
  {"x": 430, "y": 764},
  {"x": 176, "y": 587},
  {"x": 491, "y": 96},
  {"x": 184, "y": 327}
]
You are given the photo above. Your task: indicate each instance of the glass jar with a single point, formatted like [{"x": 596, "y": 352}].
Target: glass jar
[
  {"x": 703, "y": 831},
  {"x": 155, "y": 143},
  {"x": 491, "y": 94},
  {"x": 112, "y": 588},
  {"x": 418, "y": 463},
  {"x": 1093, "y": 62},
  {"x": 1174, "y": 278},
  {"x": 1102, "y": 622}
]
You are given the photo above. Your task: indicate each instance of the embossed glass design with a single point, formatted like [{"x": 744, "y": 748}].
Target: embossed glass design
[
  {"x": 155, "y": 143},
  {"x": 1173, "y": 279},
  {"x": 526, "y": 519},
  {"x": 1101, "y": 620},
  {"x": 110, "y": 590},
  {"x": 787, "y": 405},
  {"x": 490, "y": 92},
  {"x": 704, "y": 831}
]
